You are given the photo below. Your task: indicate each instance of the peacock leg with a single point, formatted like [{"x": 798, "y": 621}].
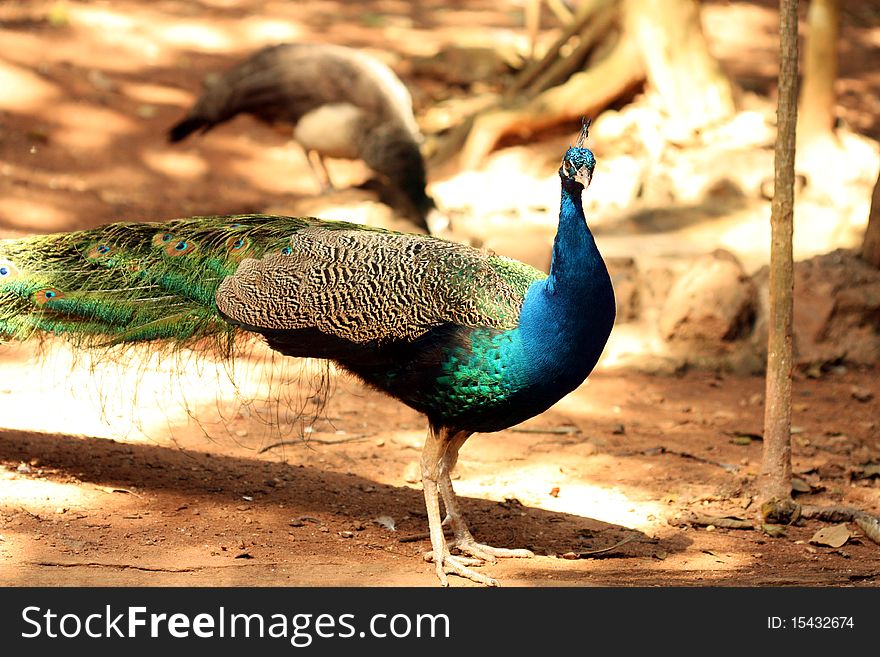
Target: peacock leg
[
  {"x": 436, "y": 445},
  {"x": 462, "y": 538}
]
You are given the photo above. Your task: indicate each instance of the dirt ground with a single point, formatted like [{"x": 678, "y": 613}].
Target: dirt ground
[
  {"x": 129, "y": 491},
  {"x": 617, "y": 459}
]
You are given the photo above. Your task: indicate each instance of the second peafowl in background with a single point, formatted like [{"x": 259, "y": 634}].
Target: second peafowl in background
[
  {"x": 475, "y": 341},
  {"x": 341, "y": 103}
]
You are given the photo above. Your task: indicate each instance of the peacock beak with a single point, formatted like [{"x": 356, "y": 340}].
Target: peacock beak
[{"x": 584, "y": 176}]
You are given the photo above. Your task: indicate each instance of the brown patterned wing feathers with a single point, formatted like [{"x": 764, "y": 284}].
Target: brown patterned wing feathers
[{"x": 366, "y": 286}]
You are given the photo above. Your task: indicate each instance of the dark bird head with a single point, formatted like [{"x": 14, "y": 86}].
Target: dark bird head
[
  {"x": 391, "y": 150},
  {"x": 578, "y": 162}
]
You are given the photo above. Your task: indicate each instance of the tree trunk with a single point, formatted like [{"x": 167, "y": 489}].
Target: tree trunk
[
  {"x": 816, "y": 111},
  {"x": 871, "y": 245},
  {"x": 691, "y": 83},
  {"x": 775, "y": 480}
]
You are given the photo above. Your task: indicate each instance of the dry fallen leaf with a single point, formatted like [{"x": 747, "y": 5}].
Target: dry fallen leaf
[
  {"x": 386, "y": 521},
  {"x": 834, "y": 536},
  {"x": 871, "y": 470},
  {"x": 862, "y": 394},
  {"x": 775, "y": 531},
  {"x": 412, "y": 473},
  {"x": 800, "y": 486},
  {"x": 869, "y": 525},
  {"x": 744, "y": 437}
]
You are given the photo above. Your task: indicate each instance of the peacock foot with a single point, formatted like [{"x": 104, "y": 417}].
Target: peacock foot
[
  {"x": 487, "y": 552},
  {"x": 478, "y": 555},
  {"x": 459, "y": 566}
]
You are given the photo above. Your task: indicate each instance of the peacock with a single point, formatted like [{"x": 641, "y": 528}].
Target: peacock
[
  {"x": 475, "y": 341},
  {"x": 341, "y": 102}
]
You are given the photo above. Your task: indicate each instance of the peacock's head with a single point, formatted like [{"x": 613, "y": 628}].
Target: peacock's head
[{"x": 578, "y": 162}]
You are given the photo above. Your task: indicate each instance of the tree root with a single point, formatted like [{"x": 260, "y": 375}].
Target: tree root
[
  {"x": 584, "y": 94},
  {"x": 702, "y": 520},
  {"x": 865, "y": 521},
  {"x": 582, "y": 22}
]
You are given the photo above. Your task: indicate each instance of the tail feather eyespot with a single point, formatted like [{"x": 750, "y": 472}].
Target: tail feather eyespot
[
  {"x": 162, "y": 238},
  {"x": 44, "y": 296},
  {"x": 176, "y": 248},
  {"x": 8, "y": 271},
  {"x": 99, "y": 252},
  {"x": 238, "y": 247}
]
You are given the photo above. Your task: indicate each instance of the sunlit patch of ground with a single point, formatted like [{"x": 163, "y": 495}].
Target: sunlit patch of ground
[
  {"x": 138, "y": 395},
  {"x": 26, "y": 214},
  {"x": 31, "y": 92}
]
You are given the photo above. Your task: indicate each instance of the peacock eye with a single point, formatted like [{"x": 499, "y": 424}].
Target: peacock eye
[
  {"x": 286, "y": 250},
  {"x": 7, "y": 269}
]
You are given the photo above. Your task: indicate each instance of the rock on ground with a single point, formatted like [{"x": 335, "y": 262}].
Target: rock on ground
[
  {"x": 712, "y": 303},
  {"x": 836, "y": 310}
]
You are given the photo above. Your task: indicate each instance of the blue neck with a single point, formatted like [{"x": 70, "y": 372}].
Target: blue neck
[
  {"x": 575, "y": 256},
  {"x": 567, "y": 317}
]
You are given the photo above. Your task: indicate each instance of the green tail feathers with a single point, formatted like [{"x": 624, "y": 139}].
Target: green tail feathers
[{"x": 133, "y": 282}]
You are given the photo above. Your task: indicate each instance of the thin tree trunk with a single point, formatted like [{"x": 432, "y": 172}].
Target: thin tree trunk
[
  {"x": 871, "y": 245},
  {"x": 816, "y": 110},
  {"x": 775, "y": 480}
]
